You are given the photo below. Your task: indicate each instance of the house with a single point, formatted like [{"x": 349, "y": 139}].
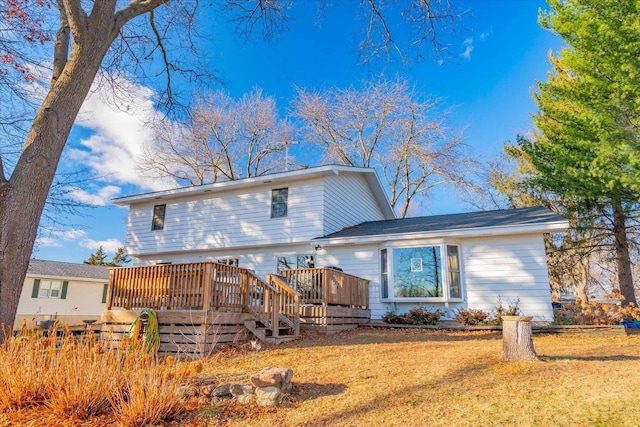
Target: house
[
  {"x": 340, "y": 217},
  {"x": 66, "y": 291}
]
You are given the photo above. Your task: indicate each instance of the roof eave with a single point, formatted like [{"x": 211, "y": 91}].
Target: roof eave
[
  {"x": 549, "y": 227},
  {"x": 242, "y": 183}
]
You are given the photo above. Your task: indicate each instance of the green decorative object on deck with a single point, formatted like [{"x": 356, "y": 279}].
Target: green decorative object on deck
[{"x": 144, "y": 330}]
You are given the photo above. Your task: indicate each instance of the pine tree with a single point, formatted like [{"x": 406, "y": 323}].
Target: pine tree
[{"x": 585, "y": 153}]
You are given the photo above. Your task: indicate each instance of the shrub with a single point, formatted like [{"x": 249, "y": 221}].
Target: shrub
[
  {"x": 511, "y": 310},
  {"x": 416, "y": 316},
  {"x": 471, "y": 317},
  {"x": 596, "y": 313}
]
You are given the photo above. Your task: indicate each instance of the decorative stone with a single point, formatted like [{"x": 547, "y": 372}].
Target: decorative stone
[
  {"x": 246, "y": 398},
  {"x": 236, "y": 390},
  {"x": 222, "y": 391},
  {"x": 278, "y": 377},
  {"x": 248, "y": 389},
  {"x": 268, "y": 396},
  {"x": 207, "y": 390}
]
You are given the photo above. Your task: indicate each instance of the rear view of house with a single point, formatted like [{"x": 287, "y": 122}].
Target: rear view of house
[{"x": 339, "y": 217}]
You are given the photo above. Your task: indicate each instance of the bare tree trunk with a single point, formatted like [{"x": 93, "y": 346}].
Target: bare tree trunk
[
  {"x": 623, "y": 259},
  {"x": 22, "y": 197},
  {"x": 517, "y": 342}
]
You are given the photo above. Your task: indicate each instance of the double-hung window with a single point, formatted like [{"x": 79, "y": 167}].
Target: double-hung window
[
  {"x": 279, "y": 199},
  {"x": 158, "y": 217},
  {"x": 430, "y": 273}
]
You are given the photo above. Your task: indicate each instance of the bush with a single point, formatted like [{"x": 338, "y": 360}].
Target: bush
[
  {"x": 511, "y": 310},
  {"x": 596, "y": 313},
  {"x": 416, "y": 316},
  {"x": 471, "y": 317}
]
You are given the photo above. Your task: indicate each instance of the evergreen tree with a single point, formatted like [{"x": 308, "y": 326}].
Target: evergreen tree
[
  {"x": 99, "y": 258},
  {"x": 585, "y": 155}
]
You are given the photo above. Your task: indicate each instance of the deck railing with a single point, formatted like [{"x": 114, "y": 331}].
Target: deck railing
[{"x": 328, "y": 286}]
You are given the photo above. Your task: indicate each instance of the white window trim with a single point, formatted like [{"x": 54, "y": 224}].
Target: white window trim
[
  {"x": 49, "y": 288},
  {"x": 444, "y": 269}
]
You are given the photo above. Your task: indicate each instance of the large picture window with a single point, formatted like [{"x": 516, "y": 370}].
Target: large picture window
[{"x": 422, "y": 272}]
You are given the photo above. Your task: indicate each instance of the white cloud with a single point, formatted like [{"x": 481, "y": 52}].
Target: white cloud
[
  {"x": 467, "y": 44},
  {"x": 70, "y": 234},
  {"x": 48, "y": 242},
  {"x": 109, "y": 245},
  {"x": 101, "y": 198},
  {"x": 120, "y": 131}
]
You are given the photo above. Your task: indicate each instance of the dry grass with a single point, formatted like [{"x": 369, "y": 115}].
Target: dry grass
[
  {"x": 419, "y": 377},
  {"x": 409, "y": 377},
  {"x": 77, "y": 379}
]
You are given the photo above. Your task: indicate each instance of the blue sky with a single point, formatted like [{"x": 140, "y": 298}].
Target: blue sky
[{"x": 498, "y": 51}]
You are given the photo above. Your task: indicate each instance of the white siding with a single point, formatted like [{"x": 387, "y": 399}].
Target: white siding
[
  {"x": 511, "y": 268},
  {"x": 348, "y": 201},
  {"x": 83, "y": 301},
  {"x": 506, "y": 267},
  {"x": 239, "y": 218}
]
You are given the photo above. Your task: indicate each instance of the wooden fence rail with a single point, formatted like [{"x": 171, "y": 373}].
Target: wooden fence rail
[{"x": 328, "y": 286}]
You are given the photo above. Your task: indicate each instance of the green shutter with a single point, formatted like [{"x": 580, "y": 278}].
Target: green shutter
[
  {"x": 36, "y": 288},
  {"x": 104, "y": 292},
  {"x": 63, "y": 294}
]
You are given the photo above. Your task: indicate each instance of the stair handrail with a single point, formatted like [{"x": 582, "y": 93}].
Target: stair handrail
[{"x": 289, "y": 302}]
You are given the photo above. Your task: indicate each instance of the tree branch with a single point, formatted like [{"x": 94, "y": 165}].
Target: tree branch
[
  {"x": 61, "y": 45},
  {"x": 133, "y": 9},
  {"x": 76, "y": 18}
]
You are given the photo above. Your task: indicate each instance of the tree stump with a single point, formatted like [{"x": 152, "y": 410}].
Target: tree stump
[{"x": 517, "y": 342}]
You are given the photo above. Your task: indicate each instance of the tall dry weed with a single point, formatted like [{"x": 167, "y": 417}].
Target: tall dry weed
[
  {"x": 79, "y": 378},
  {"x": 150, "y": 396},
  {"x": 25, "y": 362}
]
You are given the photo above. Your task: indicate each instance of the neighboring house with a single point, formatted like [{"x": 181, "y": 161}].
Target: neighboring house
[
  {"x": 339, "y": 216},
  {"x": 66, "y": 291}
]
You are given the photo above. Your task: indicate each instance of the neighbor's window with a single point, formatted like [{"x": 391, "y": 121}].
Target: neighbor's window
[
  {"x": 279, "y": 202},
  {"x": 420, "y": 272},
  {"x": 158, "y": 217},
  {"x": 50, "y": 289},
  {"x": 295, "y": 261}
]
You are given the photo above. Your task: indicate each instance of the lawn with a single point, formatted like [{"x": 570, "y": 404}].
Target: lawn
[{"x": 421, "y": 377}]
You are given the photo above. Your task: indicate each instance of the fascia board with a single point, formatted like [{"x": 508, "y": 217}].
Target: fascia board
[{"x": 550, "y": 227}]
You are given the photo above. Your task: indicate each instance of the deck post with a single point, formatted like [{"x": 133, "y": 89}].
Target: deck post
[
  {"x": 275, "y": 312},
  {"x": 207, "y": 286},
  {"x": 110, "y": 289}
]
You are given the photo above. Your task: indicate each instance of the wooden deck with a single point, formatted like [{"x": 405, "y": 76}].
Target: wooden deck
[{"x": 203, "y": 304}]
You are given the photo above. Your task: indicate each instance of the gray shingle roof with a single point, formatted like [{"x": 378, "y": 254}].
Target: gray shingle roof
[
  {"x": 496, "y": 218},
  {"x": 39, "y": 267}
]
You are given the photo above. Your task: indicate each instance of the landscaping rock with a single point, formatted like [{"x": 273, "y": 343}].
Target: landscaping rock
[
  {"x": 222, "y": 390},
  {"x": 246, "y": 398},
  {"x": 278, "y": 377},
  {"x": 207, "y": 390},
  {"x": 268, "y": 396},
  {"x": 237, "y": 390}
]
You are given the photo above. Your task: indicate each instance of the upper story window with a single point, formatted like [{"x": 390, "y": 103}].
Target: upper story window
[
  {"x": 158, "y": 217},
  {"x": 421, "y": 272},
  {"x": 279, "y": 199}
]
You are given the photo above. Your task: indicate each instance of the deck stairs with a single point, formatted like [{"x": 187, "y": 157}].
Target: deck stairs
[{"x": 276, "y": 310}]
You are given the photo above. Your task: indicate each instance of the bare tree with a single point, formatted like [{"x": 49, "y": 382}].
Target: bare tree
[
  {"x": 386, "y": 126},
  {"x": 224, "y": 139},
  {"x": 90, "y": 35}
]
